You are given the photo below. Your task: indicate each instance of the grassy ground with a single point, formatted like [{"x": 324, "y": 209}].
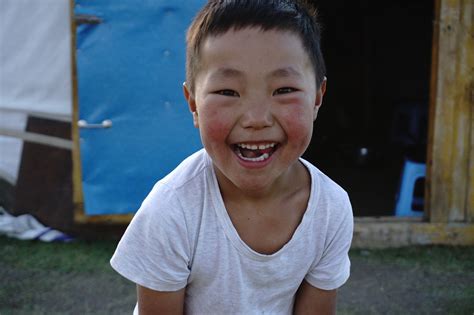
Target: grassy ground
[
  {"x": 75, "y": 278},
  {"x": 413, "y": 280}
]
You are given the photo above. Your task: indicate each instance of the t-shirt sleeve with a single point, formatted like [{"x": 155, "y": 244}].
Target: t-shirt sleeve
[
  {"x": 154, "y": 251},
  {"x": 333, "y": 269}
]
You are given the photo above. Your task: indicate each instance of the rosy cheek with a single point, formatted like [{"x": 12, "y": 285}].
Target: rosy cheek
[
  {"x": 299, "y": 125},
  {"x": 216, "y": 130},
  {"x": 214, "y": 123}
]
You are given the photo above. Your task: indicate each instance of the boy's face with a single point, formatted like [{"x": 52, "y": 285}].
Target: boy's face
[{"x": 255, "y": 102}]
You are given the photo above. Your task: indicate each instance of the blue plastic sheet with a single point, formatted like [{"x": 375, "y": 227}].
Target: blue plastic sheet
[{"x": 131, "y": 68}]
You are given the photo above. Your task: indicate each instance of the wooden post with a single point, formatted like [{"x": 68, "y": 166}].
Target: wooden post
[
  {"x": 470, "y": 195},
  {"x": 450, "y": 182},
  {"x": 76, "y": 156},
  {"x": 78, "y": 196},
  {"x": 470, "y": 52}
]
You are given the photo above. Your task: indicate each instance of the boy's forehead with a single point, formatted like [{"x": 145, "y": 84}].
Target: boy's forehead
[
  {"x": 234, "y": 45},
  {"x": 262, "y": 40},
  {"x": 249, "y": 31}
]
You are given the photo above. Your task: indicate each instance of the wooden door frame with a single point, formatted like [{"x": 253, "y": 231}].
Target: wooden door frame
[
  {"x": 449, "y": 217},
  {"x": 78, "y": 196},
  {"x": 450, "y": 189}
]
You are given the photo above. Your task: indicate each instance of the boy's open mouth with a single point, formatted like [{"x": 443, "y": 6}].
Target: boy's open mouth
[{"x": 255, "y": 152}]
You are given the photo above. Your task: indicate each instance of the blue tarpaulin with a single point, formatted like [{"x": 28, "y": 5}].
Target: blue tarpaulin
[{"x": 131, "y": 67}]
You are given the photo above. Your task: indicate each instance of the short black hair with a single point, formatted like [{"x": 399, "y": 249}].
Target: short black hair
[{"x": 219, "y": 16}]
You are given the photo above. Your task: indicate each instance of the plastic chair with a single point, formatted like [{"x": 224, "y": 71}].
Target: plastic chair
[{"x": 406, "y": 198}]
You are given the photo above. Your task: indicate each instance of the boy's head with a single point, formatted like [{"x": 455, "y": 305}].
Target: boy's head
[{"x": 220, "y": 16}]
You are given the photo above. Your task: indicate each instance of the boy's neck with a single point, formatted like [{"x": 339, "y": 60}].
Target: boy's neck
[{"x": 295, "y": 178}]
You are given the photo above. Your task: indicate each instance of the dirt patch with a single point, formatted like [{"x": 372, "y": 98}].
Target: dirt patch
[{"x": 380, "y": 288}]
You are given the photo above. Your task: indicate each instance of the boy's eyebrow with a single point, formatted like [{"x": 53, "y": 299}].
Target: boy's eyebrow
[
  {"x": 227, "y": 73},
  {"x": 285, "y": 72}
]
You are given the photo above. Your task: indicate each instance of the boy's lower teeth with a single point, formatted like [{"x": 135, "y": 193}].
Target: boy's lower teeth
[{"x": 262, "y": 157}]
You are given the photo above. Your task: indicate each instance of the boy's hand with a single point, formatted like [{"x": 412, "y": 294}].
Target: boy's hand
[
  {"x": 311, "y": 300},
  {"x": 157, "y": 302}
]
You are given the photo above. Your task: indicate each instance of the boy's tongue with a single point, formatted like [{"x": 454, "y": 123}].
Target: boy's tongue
[{"x": 248, "y": 153}]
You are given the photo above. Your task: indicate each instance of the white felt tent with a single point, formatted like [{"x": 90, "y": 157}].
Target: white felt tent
[{"x": 35, "y": 74}]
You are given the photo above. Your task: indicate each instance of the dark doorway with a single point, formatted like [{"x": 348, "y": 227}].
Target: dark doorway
[{"x": 374, "y": 115}]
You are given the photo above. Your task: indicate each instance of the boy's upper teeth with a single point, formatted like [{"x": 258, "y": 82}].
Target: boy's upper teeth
[{"x": 256, "y": 146}]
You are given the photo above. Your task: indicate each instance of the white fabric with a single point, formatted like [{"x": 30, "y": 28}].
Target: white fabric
[
  {"x": 35, "y": 70},
  {"x": 11, "y": 148},
  {"x": 35, "y": 56},
  {"x": 26, "y": 227},
  {"x": 182, "y": 237}
]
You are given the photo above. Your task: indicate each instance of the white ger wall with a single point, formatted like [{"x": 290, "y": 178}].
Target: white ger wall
[{"x": 35, "y": 70}]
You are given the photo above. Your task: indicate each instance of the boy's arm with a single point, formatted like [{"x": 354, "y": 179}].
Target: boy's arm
[
  {"x": 311, "y": 300},
  {"x": 158, "y": 302}
]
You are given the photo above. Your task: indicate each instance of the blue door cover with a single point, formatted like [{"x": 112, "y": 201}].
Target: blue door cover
[{"x": 136, "y": 126}]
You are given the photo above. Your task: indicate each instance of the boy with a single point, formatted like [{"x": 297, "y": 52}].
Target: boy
[{"x": 245, "y": 225}]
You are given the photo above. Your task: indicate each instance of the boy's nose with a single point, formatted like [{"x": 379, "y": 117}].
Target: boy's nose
[{"x": 257, "y": 116}]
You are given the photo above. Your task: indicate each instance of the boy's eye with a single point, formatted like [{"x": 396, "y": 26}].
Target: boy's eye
[
  {"x": 227, "y": 93},
  {"x": 284, "y": 90}
]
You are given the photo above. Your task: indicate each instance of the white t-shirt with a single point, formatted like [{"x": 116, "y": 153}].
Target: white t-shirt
[{"x": 182, "y": 237}]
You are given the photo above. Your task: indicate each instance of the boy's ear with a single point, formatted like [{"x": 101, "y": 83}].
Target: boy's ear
[
  {"x": 319, "y": 97},
  {"x": 191, "y": 103}
]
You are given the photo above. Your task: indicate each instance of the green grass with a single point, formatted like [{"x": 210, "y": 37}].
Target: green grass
[
  {"x": 439, "y": 259},
  {"x": 61, "y": 278},
  {"x": 86, "y": 256},
  {"x": 80, "y": 256}
]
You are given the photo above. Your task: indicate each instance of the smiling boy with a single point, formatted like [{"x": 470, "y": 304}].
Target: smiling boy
[{"x": 245, "y": 225}]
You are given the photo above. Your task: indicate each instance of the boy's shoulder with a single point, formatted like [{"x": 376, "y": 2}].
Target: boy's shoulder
[
  {"x": 179, "y": 187},
  {"x": 323, "y": 186},
  {"x": 189, "y": 170}
]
